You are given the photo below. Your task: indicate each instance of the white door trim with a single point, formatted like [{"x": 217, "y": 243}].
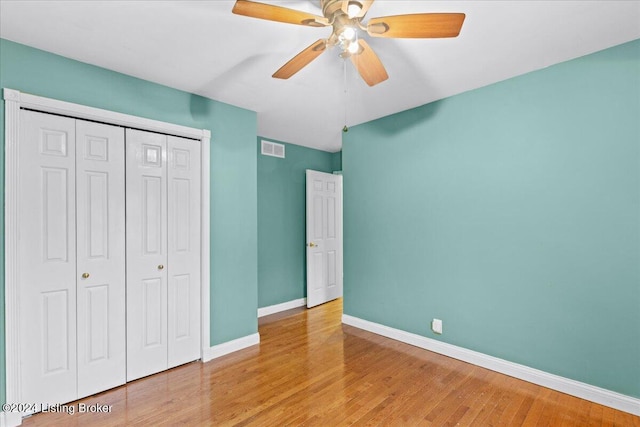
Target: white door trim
[{"x": 14, "y": 101}]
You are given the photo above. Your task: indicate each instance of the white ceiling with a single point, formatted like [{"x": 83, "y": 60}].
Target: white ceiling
[{"x": 201, "y": 47}]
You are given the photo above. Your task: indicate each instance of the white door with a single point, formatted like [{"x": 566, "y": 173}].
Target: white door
[
  {"x": 90, "y": 322},
  {"x": 72, "y": 207},
  {"x": 324, "y": 237},
  {"x": 146, "y": 155},
  {"x": 184, "y": 250},
  {"x": 100, "y": 269},
  {"x": 163, "y": 252},
  {"x": 47, "y": 258}
]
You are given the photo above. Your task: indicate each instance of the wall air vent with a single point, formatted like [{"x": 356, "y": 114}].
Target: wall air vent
[{"x": 272, "y": 149}]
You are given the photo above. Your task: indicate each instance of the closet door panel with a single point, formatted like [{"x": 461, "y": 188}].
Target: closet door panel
[
  {"x": 184, "y": 250},
  {"x": 47, "y": 258},
  {"x": 101, "y": 257},
  {"x": 146, "y": 196}
]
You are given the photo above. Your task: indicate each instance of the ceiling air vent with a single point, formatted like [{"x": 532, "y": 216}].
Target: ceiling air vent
[{"x": 272, "y": 149}]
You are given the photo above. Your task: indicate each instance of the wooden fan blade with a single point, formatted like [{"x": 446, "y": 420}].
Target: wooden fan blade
[
  {"x": 299, "y": 61},
  {"x": 364, "y": 7},
  {"x": 419, "y": 25},
  {"x": 369, "y": 65},
  {"x": 277, "y": 13}
]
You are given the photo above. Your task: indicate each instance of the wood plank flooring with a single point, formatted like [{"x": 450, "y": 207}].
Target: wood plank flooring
[{"x": 310, "y": 370}]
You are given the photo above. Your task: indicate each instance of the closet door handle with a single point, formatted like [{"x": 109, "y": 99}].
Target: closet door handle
[
  {"x": 85, "y": 275},
  {"x": 160, "y": 267}
]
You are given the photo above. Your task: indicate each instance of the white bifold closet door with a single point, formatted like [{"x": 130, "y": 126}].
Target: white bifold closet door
[
  {"x": 71, "y": 257},
  {"x": 163, "y": 252},
  {"x": 100, "y": 272}
]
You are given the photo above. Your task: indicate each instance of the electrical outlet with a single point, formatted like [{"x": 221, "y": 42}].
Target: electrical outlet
[{"x": 436, "y": 326}]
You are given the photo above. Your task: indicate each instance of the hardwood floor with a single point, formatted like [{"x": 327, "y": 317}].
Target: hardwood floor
[{"x": 310, "y": 370}]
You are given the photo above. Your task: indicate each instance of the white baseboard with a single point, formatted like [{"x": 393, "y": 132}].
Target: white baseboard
[
  {"x": 565, "y": 385},
  {"x": 10, "y": 419},
  {"x": 225, "y": 348},
  {"x": 265, "y": 311}
]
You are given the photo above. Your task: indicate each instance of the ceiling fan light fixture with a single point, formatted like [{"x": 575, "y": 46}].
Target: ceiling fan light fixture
[
  {"x": 348, "y": 40},
  {"x": 354, "y": 9},
  {"x": 353, "y": 47},
  {"x": 348, "y": 33}
]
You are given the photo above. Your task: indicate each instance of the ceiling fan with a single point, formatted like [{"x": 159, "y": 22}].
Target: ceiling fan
[{"x": 345, "y": 16}]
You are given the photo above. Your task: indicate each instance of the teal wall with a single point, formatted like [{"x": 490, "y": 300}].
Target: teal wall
[
  {"x": 234, "y": 236},
  {"x": 512, "y": 213},
  {"x": 281, "y": 221}
]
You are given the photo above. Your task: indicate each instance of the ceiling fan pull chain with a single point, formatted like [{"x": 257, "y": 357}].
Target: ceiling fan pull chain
[{"x": 344, "y": 67}]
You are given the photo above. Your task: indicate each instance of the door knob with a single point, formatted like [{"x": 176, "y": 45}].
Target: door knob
[
  {"x": 85, "y": 275},
  {"x": 312, "y": 245},
  {"x": 160, "y": 267}
]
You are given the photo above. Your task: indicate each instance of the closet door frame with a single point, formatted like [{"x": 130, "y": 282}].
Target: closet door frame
[{"x": 14, "y": 101}]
